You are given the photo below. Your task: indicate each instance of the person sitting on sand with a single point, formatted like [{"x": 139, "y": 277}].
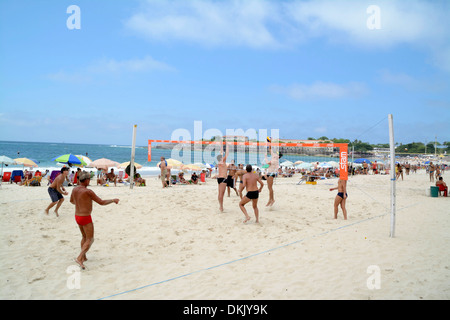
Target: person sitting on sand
[
  {"x": 111, "y": 177},
  {"x": 181, "y": 178},
  {"x": 249, "y": 181},
  {"x": 194, "y": 178},
  {"x": 139, "y": 181},
  {"x": 82, "y": 198},
  {"x": 442, "y": 186}
]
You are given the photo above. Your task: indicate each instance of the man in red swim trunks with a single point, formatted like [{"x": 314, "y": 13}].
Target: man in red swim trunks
[{"x": 82, "y": 198}]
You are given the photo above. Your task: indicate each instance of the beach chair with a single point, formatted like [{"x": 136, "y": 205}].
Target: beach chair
[
  {"x": 120, "y": 176},
  {"x": 17, "y": 176},
  {"x": 53, "y": 176},
  {"x": 6, "y": 176},
  {"x": 443, "y": 189}
]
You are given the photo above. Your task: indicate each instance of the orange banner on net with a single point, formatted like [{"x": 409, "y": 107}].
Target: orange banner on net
[{"x": 343, "y": 149}]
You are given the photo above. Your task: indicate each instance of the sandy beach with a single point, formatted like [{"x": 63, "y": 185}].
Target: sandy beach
[{"x": 174, "y": 244}]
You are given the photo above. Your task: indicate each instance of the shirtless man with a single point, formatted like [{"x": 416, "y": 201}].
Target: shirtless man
[
  {"x": 56, "y": 191},
  {"x": 431, "y": 170},
  {"x": 442, "y": 185},
  {"x": 222, "y": 176},
  {"x": 341, "y": 198},
  {"x": 82, "y": 198},
  {"x": 111, "y": 177},
  {"x": 231, "y": 183},
  {"x": 163, "y": 167},
  {"x": 272, "y": 173},
  {"x": 238, "y": 178},
  {"x": 250, "y": 180}
]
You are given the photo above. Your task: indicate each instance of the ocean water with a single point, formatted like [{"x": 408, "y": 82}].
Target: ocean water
[{"x": 45, "y": 152}]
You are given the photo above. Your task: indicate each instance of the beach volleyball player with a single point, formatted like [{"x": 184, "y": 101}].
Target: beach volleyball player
[
  {"x": 272, "y": 171},
  {"x": 250, "y": 181},
  {"x": 82, "y": 198},
  {"x": 222, "y": 176}
]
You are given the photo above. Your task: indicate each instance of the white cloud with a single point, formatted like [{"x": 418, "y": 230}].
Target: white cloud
[
  {"x": 277, "y": 24},
  {"x": 322, "y": 90},
  {"x": 212, "y": 23},
  {"x": 110, "y": 66},
  {"x": 133, "y": 65}
]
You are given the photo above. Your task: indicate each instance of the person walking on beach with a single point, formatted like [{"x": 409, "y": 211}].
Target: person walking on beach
[
  {"x": 249, "y": 181},
  {"x": 272, "y": 173},
  {"x": 398, "y": 171},
  {"x": 341, "y": 198},
  {"x": 82, "y": 198},
  {"x": 163, "y": 167},
  {"x": 222, "y": 176},
  {"x": 56, "y": 191}
]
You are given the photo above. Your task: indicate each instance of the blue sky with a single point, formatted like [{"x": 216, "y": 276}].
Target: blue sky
[{"x": 306, "y": 68}]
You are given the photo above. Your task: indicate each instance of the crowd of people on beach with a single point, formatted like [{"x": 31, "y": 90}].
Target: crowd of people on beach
[{"x": 229, "y": 177}]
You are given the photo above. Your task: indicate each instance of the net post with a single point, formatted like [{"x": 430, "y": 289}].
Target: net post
[
  {"x": 133, "y": 148},
  {"x": 392, "y": 151},
  {"x": 149, "y": 156},
  {"x": 343, "y": 160}
]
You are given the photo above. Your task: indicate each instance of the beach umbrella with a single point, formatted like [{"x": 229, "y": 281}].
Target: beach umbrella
[
  {"x": 324, "y": 165},
  {"x": 201, "y": 165},
  {"x": 6, "y": 161},
  {"x": 85, "y": 159},
  {"x": 287, "y": 163},
  {"x": 69, "y": 159},
  {"x": 104, "y": 163},
  {"x": 126, "y": 164},
  {"x": 304, "y": 165},
  {"x": 361, "y": 160},
  {"x": 265, "y": 166},
  {"x": 128, "y": 169},
  {"x": 334, "y": 164},
  {"x": 26, "y": 162},
  {"x": 190, "y": 167}
]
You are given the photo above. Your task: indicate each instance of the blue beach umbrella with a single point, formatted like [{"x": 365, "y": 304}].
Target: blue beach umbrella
[
  {"x": 69, "y": 159},
  {"x": 361, "y": 160}
]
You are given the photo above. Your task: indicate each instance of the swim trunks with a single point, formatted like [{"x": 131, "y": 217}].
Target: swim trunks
[
  {"x": 221, "y": 180},
  {"x": 83, "y": 220},
  {"x": 252, "y": 194},
  {"x": 54, "y": 194},
  {"x": 341, "y": 194},
  {"x": 230, "y": 182}
]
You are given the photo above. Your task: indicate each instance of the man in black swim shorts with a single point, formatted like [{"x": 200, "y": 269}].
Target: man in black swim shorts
[{"x": 250, "y": 181}]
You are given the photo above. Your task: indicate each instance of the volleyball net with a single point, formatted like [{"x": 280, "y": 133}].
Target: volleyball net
[{"x": 249, "y": 152}]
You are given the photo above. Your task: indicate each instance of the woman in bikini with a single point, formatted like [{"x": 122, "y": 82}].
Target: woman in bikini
[
  {"x": 341, "y": 198},
  {"x": 272, "y": 173}
]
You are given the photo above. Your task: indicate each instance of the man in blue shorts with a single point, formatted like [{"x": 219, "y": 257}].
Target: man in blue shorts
[{"x": 56, "y": 191}]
